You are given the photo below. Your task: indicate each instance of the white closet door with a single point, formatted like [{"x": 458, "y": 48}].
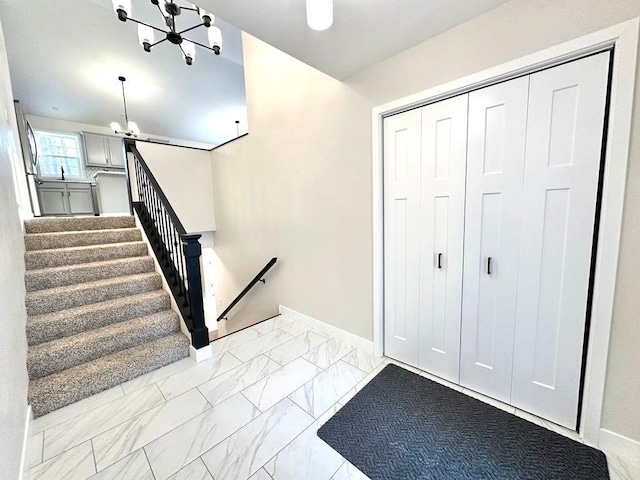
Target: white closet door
[
  {"x": 495, "y": 161},
  {"x": 402, "y": 235},
  {"x": 564, "y": 139},
  {"x": 444, "y": 155}
]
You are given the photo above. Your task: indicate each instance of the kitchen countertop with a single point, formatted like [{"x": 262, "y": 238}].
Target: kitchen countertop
[
  {"x": 49, "y": 180},
  {"x": 107, "y": 172}
]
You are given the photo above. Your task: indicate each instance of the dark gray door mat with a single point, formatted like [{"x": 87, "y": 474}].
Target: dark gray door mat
[{"x": 402, "y": 426}]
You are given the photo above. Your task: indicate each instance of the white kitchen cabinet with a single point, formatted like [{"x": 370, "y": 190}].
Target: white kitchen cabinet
[
  {"x": 65, "y": 198},
  {"x": 53, "y": 199},
  {"x": 80, "y": 199},
  {"x": 103, "y": 150}
]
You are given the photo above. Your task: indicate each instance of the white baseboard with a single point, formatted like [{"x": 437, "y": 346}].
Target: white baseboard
[
  {"x": 619, "y": 445},
  {"x": 366, "y": 345},
  {"x": 24, "y": 470},
  {"x": 201, "y": 354}
]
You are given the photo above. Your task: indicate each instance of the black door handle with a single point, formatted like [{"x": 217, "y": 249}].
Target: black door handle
[
  {"x": 439, "y": 260},
  {"x": 489, "y": 266}
]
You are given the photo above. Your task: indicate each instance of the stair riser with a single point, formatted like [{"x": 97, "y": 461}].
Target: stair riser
[
  {"x": 53, "y": 357},
  {"x": 63, "y": 324},
  {"x": 43, "y": 279},
  {"x": 73, "y": 224},
  {"x": 47, "y": 301},
  {"x": 81, "y": 239},
  {"x": 59, "y": 258},
  {"x": 58, "y": 390}
]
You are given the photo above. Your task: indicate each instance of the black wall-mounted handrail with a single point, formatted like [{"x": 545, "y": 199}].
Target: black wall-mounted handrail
[
  {"x": 177, "y": 252},
  {"x": 256, "y": 279}
]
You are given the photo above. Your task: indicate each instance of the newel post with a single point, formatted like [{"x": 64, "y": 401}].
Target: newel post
[{"x": 192, "y": 251}]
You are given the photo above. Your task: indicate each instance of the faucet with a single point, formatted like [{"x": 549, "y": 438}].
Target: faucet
[{"x": 61, "y": 172}]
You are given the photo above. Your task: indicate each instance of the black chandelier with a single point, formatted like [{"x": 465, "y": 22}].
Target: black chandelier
[{"x": 170, "y": 11}]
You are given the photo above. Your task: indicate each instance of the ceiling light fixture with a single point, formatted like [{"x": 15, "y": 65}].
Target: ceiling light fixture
[
  {"x": 170, "y": 10},
  {"x": 132, "y": 128},
  {"x": 319, "y": 14}
]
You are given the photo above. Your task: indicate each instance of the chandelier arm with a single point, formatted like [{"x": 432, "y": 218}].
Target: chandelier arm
[
  {"x": 199, "y": 44},
  {"x": 190, "y": 28},
  {"x": 147, "y": 25},
  {"x": 157, "y": 43},
  {"x": 189, "y": 8}
]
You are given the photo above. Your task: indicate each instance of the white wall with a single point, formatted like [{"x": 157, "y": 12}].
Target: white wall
[
  {"x": 299, "y": 186},
  {"x": 184, "y": 175},
  {"x": 13, "y": 343}
]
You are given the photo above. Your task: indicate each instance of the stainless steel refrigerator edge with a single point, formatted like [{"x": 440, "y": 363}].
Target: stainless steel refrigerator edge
[{"x": 30, "y": 155}]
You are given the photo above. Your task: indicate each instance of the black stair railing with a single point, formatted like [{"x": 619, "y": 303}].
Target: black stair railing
[
  {"x": 256, "y": 279},
  {"x": 177, "y": 251}
]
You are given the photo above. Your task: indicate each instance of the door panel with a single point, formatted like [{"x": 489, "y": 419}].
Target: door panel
[
  {"x": 116, "y": 151},
  {"x": 80, "y": 201},
  {"x": 95, "y": 148},
  {"x": 444, "y": 152},
  {"x": 401, "y": 235},
  {"x": 53, "y": 201},
  {"x": 566, "y": 116},
  {"x": 495, "y": 162}
]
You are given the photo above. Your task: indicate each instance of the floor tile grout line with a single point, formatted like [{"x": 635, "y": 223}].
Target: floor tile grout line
[
  {"x": 294, "y": 338},
  {"x": 115, "y": 426},
  {"x": 291, "y": 441},
  {"x": 158, "y": 380},
  {"x": 207, "y": 410},
  {"x": 93, "y": 454},
  {"x": 286, "y": 396},
  {"x": 42, "y": 451},
  {"x": 182, "y": 424},
  {"x": 205, "y": 464},
  {"x": 341, "y": 465},
  {"x": 315, "y": 421},
  {"x": 147, "y": 459},
  {"x": 241, "y": 362},
  {"x": 268, "y": 350},
  {"x": 83, "y": 413}
]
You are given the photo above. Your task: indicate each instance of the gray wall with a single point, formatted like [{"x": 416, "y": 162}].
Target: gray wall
[
  {"x": 299, "y": 186},
  {"x": 13, "y": 343}
]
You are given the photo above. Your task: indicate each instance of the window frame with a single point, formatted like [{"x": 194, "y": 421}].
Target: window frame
[{"x": 81, "y": 154}]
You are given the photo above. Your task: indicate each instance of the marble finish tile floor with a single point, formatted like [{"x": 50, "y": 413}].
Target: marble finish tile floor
[{"x": 251, "y": 412}]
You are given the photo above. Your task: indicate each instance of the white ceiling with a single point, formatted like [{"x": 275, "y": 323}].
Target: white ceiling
[
  {"x": 68, "y": 54},
  {"x": 363, "y": 33}
]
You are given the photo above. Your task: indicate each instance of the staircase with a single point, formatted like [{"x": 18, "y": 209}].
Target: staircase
[{"x": 97, "y": 314}]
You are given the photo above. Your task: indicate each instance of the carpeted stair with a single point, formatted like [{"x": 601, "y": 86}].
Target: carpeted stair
[{"x": 97, "y": 313}]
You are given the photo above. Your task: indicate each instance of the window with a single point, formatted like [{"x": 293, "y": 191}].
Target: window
[{"x": 57, "y": 150}]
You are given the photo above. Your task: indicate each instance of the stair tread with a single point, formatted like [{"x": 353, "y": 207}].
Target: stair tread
[
  {"x": 78, "y": 232},
  {"x": 61, "y": 224},
  {"x": 107, "y": 282},
  {"x": 71, "y": 385},
  {"x": 67, "y": 352},
  {"x": 68, "y": 321},
  {"x": 83, "y": 247},
  {"x": 80, "y": 266}
]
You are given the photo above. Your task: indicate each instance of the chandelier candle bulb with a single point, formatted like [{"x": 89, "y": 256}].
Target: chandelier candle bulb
[
  {"x": 215, "y": 39},
  {"x": 145, "y": 36},
  {"x": 319, "y": 14},
  {"x": 207, "y": 18},
  {"x": 188, "y": 51},
  {"x": 122, "y": 8},
  {"x": 133, "y": 128}
]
